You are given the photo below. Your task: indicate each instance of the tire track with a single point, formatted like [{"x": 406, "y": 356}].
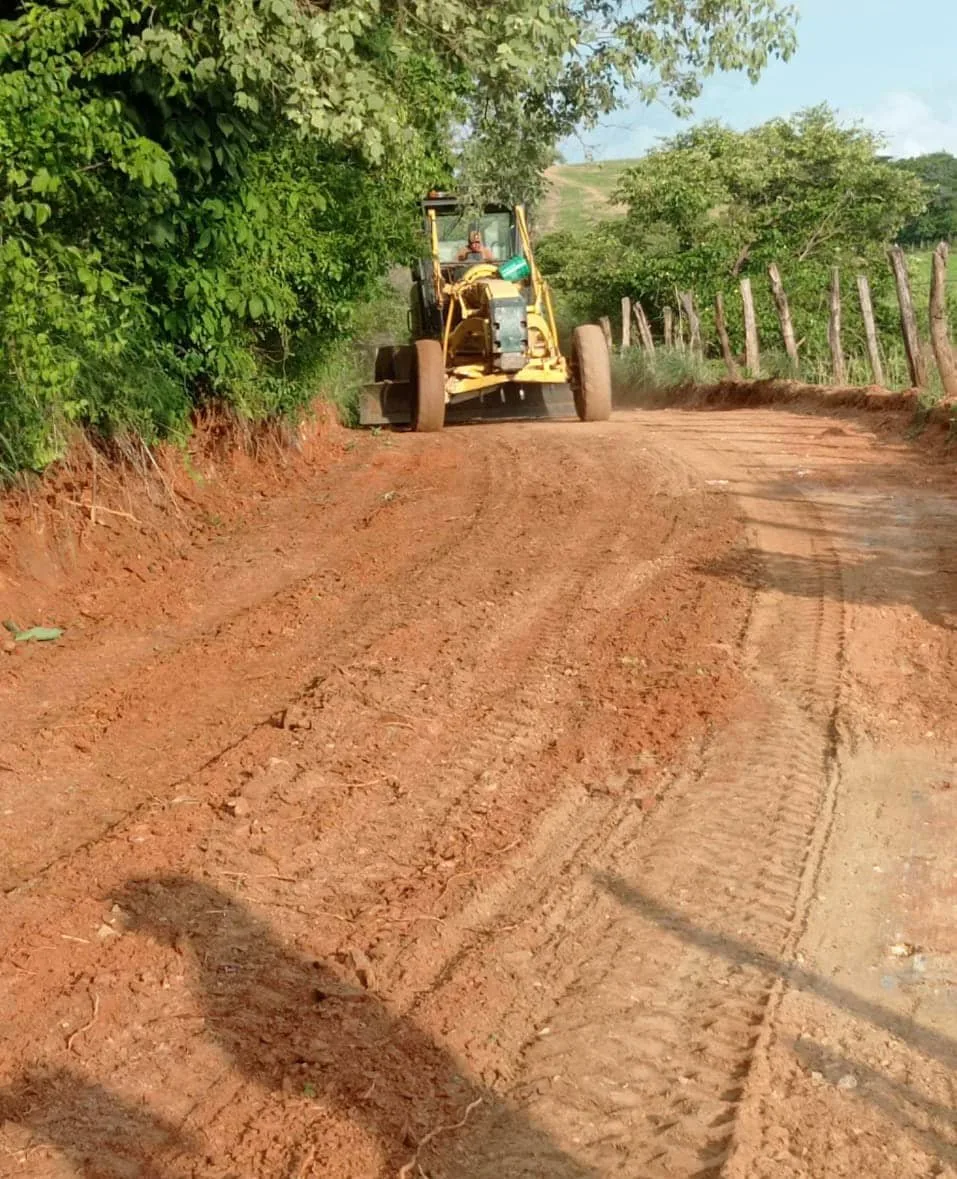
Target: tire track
[
  {"x": 514, "y": 637},
  {"x": 599, "y": 571},
  {"x": 654, "y": 970},
  {"x": 511, "y": 744},
  {"x": 336, "y": 646}
]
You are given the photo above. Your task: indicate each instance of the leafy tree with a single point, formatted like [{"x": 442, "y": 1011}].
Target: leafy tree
[
  {"x": 600, "y": 53},
  {"x": 713, "y": 205},
  {"x": 192, "y": 193},
  {"x": 938, "y": 222}
]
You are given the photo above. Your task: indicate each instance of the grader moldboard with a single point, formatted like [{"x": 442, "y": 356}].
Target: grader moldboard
[{"x": 484, "y": 332}]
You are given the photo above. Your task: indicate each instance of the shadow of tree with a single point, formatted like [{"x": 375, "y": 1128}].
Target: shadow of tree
[
  {"x": 100, "y": 1134},
  {"x": 880, "y": 579},
  {"x": 273, "y": 1011},
  {"x": 932, "y": 1044},
  {"x": 915, "y": 1113},
  {"x": 910, "y": 1109}
]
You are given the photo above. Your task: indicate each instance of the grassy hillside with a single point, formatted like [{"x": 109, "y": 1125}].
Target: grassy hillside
[{"x": 580, "y": 194}]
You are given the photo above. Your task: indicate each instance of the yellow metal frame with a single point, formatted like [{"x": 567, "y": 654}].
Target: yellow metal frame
[{"x": 471, "y": 378}]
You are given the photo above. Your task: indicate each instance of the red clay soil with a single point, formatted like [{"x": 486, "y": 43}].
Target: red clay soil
[
  {"x": 456, "y": 805},
  {"x": 893, "y": 410}
]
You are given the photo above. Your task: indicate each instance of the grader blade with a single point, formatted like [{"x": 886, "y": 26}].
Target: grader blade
[
  {"x": 533, "y": 403},
  {"x": 386, "y": 403},
  {"x": 389, "y": 403}
]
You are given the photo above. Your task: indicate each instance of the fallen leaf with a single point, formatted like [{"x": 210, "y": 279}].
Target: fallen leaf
[{"x": 38, "y": 634}]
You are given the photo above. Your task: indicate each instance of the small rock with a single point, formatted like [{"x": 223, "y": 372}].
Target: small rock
[
  {"x": 119, "y": 918},
  {"x": 901, "y": 950},
  {"x": 81, "y": 745},
  {"x": 238, "y": 806},
  {"x": 107, "y": 931},
  {"x": 9, "y": 646},
  {"x": 296, "y": 717},
  {"x": 648, "y": 803},
  {"x": 848, "y": 1082},
  {"x": 817, "y": 1077},
  {"x": 365, "y": 971}
]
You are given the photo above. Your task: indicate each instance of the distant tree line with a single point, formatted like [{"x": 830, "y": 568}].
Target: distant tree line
[{"x": 938, "y": 174}]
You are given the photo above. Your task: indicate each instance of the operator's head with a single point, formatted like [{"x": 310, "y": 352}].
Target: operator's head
[{"x": 475, "y": 239}]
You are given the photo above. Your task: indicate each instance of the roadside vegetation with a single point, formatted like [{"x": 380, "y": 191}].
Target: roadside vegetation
[{"x": 712, "y": 206}]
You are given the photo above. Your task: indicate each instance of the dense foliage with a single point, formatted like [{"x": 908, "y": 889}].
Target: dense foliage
[
  {"x": 938, "y": 222},
  {"x": 713, "y": 205},
  {"x": 195, "y": 197}
]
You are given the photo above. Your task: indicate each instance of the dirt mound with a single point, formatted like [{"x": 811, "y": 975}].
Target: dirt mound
[
  {"x": 106, "y": 517},
  {"x": 895, "y": 410}
]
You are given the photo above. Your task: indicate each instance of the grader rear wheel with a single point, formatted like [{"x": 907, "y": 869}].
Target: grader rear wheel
[
  {"x": 591, "y": 373},
  {"x": 428, "y": 403}
]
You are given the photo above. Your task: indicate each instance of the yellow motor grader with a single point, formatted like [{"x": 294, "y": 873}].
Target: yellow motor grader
[{"x": 483, "y": 330}]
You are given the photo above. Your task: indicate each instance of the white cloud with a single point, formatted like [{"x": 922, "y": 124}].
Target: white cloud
[{"x": 910, "y": 125}]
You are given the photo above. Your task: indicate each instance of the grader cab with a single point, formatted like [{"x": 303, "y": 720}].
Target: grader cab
[{"x": 483, "y": 330}]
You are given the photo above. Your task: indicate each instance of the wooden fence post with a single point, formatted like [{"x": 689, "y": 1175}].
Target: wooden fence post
[
  {"x": 694, "y": 322},
  {"x": 834, "y": 330},
  {"x": 722, "y": 325},
  {"x": 752, "y": 352},
  {"x": 606, "y": 328},
  {"x": 915, "y": 357},
  {"x": 669, "y": 328},
  {"x": 870, "y": 328},
  {"x": 625, "y": 324},
  {"x": 644, "y": 328},
  {"x": 784, "y": 314},
  {"x": 939, "y": 327}
]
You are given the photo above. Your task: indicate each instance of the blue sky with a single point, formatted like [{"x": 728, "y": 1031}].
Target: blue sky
[{"x": 891, "y": 64}]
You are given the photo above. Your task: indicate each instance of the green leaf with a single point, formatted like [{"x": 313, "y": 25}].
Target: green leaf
[
  {"x": 256, "y": 307},
  {"x": 161, "y": 233},
  {"x": 38, "y": 634}
]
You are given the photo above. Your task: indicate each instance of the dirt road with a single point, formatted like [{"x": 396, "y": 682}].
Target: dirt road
[{"x": 530, "y": 800}]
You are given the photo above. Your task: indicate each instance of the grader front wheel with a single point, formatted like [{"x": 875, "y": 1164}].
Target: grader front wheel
[
  {"x": 428, "y": 402},
  {"x": 591, "y": 373}
]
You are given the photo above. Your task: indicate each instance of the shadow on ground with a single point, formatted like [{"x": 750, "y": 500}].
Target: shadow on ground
[
  {"x": 271, "y": 1011},
  {"x": 925, "y": 1120}
]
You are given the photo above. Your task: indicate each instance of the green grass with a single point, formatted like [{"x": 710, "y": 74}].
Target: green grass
[
  {"x": 635, "y": 373},
  {"x": 919, "y": 264}
]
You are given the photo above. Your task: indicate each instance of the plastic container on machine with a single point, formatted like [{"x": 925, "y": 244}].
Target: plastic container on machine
[{"x": 515, "y": 269}]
